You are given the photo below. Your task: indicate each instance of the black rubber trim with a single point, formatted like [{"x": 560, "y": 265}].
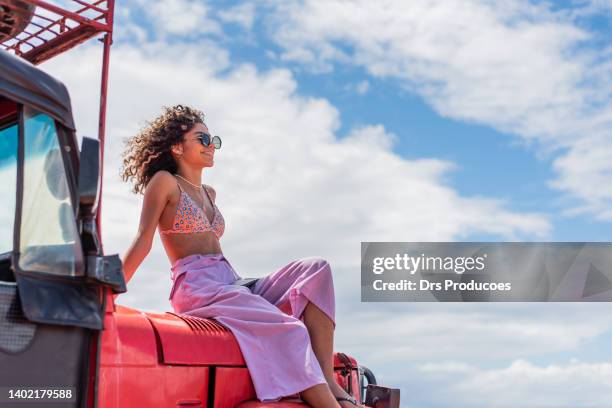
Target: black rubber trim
[{"x": 210, "y": 398}]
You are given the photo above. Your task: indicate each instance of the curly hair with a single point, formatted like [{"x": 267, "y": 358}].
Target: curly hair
[{"x": 148, "y": 151}]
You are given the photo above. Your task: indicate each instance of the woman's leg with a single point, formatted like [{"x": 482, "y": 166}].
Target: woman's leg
[
  {"x": 321, "y": 331},
  {"x": 320, "y": 396},
  {"x": 304, "y": 289}
]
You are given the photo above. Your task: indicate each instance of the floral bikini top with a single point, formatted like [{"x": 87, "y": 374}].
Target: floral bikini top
[{"x": 190, "y": 218}]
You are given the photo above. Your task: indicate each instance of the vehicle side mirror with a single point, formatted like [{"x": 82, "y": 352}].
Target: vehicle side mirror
[
  {"x": 108, "y": 269},
  {"x": 89, "y": 177}
]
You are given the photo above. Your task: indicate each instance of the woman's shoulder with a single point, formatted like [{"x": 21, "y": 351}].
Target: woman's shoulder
[
  {"x": 163, "y": 180},
  {"x": 163, "y": 175}
]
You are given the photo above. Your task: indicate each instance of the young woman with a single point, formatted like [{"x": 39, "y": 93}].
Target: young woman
[{"x": 284, "y": 324}]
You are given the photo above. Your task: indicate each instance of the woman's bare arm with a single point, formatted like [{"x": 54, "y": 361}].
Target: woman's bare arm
[{"x": 156, "y": 197}]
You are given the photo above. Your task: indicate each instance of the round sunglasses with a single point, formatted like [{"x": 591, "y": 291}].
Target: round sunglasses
[{"x": 206, "y": 139}]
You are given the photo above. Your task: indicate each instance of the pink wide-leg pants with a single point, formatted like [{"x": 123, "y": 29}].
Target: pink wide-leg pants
[{"x": 267, "y": 320}]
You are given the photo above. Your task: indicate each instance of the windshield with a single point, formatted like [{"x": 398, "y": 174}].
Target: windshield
[
  {"x": 49, "y": 239},
  {"x": 8, "y": 175}
]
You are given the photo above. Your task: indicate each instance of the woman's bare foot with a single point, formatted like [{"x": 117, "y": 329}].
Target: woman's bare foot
[{"x": 338, "y": 391}]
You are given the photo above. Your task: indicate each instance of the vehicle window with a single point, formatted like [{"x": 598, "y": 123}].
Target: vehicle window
[
  {"x": 49, "y": 240},
  {"x": 8, "y": 175}
]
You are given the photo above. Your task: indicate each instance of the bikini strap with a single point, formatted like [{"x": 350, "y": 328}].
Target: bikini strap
[
  {"x": 208, "y": 195},
  {"x": 177, "y": 182}
]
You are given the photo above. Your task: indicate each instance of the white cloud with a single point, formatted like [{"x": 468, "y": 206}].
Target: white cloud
[
  {"x": 125, "y": 29},
  {"x": 281, "y": 173},
  {"x": 179, "y": 17},
  {"x": 594, "y": 6},
  {"x": 372, "y": 136},
  {"x": 426, "y": 349},
  {"x": 513, "y": 65},
  {"x": 242, "y": 14},
  {"x": 523, "y": 384},
  {"x": 437, "y": 333},
  {"x": 360, "y": 88}
]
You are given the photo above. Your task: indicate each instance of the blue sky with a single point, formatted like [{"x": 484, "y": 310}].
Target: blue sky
[
  {"x": 429, "y": 120},
  {"x": 489, "y": 162}
]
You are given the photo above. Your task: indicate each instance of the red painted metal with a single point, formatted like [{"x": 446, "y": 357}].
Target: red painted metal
[
  {"x": 171, "y": 386},
  {"x": 233, "y": 385},
  {"x": 165, "y": 359},
  {"x": 108, "y": 41},
  {"x": 7, "y": 109},
  {"x": 348, "y": 379},
  {"x": 54, "y": 29},
  {"x": 189, "y": 340},
  {"x": 128, "y": 340},
  {"x": 132, "y": 372},
  {"x": 338, "y": 363}
]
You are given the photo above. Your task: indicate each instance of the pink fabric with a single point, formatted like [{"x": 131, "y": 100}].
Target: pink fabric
[{"x": 275, "y": 345}]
